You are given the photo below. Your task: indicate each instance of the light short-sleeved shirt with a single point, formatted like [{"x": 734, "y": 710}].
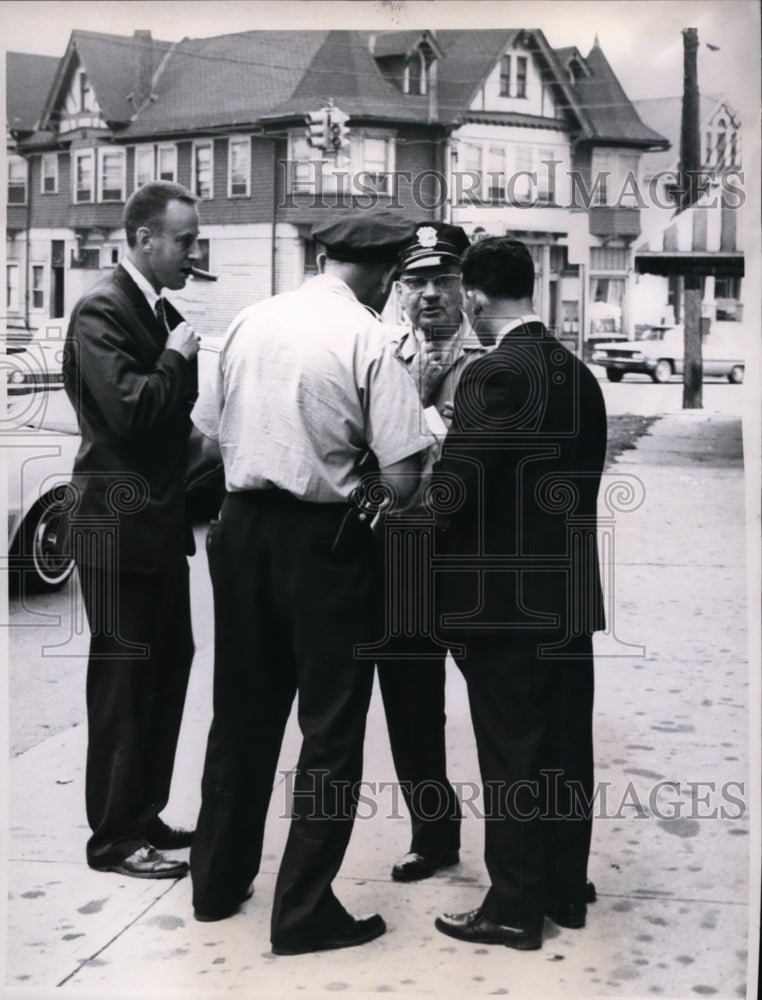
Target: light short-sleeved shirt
[{"x": 307, "y": 385}]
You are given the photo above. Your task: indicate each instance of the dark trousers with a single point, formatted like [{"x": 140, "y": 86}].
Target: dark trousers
[
  {"x": 532, "y": 719},
  {"x": 288, "y": 613},
  {"x": 413, "y": 691},
  {"x": 141, "y": 650}
]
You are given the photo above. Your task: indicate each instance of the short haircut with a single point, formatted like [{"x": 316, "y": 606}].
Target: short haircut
[
  {"x": 499, "y": 266},
  {"x": 147, "y": 205}
]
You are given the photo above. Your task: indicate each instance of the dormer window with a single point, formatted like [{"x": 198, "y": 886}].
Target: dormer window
[
  {"x": 415, "y": 74},
  {"x": 84, "y": 92},
  {"x": 575, "y": 70}
]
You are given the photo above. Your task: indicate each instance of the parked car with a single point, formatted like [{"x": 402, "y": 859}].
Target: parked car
[
  {"x": 660, "y": 354},
  {"x": 35, "y": 367},
  {"x": 39, "y": 451}
]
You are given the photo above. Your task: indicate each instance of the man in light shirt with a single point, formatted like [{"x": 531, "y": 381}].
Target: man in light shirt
[{"x": 308, "y": 396}]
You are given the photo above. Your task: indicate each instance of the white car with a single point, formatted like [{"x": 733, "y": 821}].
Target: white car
[
  {"x": 660, "y": 354},
  {"x": 39, "y": 444}
]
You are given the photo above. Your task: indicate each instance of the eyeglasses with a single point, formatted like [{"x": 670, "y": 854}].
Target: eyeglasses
[{"x": 442, "y": 282}]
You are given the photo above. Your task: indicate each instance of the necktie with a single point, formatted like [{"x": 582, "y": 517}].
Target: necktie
[{"x": 161, "y": 314}]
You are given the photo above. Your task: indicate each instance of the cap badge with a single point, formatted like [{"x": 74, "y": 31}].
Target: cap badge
[{"x": 427, "y": 236}]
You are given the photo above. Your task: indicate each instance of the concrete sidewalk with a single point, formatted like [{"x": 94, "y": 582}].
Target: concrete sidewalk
[{"x": 670, "y": 847}]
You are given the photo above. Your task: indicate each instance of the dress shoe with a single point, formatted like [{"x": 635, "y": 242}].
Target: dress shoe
[
  {"x": 347, "y": 936},
  {"x": 167, "y": 838},
  {"x": 572, "y": 915},
  {"x": 147, "y": 862},
  {"x": 414, "y": 867},
  {"x": 476, "y": 928},
  {"x": 210, "y": 917}
]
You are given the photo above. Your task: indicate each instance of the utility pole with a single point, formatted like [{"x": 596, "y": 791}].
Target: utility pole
[{"x": 690, "y": 165}]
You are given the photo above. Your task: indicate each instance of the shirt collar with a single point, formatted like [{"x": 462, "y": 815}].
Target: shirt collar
[
  {"x": 142, "y": 282},
  {"x": 514, "y": 324}
]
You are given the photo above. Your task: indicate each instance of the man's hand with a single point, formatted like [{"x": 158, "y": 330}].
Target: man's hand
[
  {"x": 429, "y": 367},
  {"x": 184, "y": 340}
]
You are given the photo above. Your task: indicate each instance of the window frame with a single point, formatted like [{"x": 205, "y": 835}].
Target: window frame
[
  {"x": 49, "y": 158},
  {"x": 244, "y": 141},
  {"x": 522, "y": 74},
  {"x": 164, "y": 147},
  {"x": 121, "y": 153},
  {"x": 38, "y": 290},
  {"x": 11, "y": 287},
  {"x": 77, "y": 155},
  {"x": 141, "y": 150},
  {"x": 197, "y": 145},
  {"x": 15, "y": 160},
  {"x": 505, "y": 75}
]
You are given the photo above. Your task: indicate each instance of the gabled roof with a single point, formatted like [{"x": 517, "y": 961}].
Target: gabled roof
[
  {"x": 610, "y": 113},
  {"x": 383, "y": 44},
  {"x": 28, "y": 80},
  {"x": 110, "y": 62},
  {"x": 665, "y": 115},
  {"x": 344, "y": 69},
  {"x": 230, "y": 79}
]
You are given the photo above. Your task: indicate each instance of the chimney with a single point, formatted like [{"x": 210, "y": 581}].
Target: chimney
[{"x": 143, "y": 81}]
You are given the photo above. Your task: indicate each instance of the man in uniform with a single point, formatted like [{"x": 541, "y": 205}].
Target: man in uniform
[
  {"x": 521, "y": 591},
  {"x": 307, "y": 389},
  {"x": 435, "y": 347}
]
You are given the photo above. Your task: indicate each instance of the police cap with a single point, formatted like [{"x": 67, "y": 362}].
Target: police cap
[
  {"x": 368, "y": 237},
  {"x": 433, "y": 244}
]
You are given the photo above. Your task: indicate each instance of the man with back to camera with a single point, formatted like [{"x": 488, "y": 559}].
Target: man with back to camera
[
  {"x": 130, "y": 372},
  {"x": 521, "y": 590},
  {"x": 435, "y": 348},
  {"x": 308, "y": 387}
]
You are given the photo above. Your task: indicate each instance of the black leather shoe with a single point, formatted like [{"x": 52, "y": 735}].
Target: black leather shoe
[
  {"x": 210, "y": 917},
  {"x": 476, "y": 928},
  {"x": 167, "y": 838},
  {"x": 356, "y": 932},
  {"x": 147, "y": 862},
  {"x": 414, "y": 867},
  {"x": 573, "y": 915},
  {"x": 568, "y": 914}
]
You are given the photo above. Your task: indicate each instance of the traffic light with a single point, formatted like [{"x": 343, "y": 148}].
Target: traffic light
[
  {"x": 338, "y": 131},
  {"x": 317, "y": 130}
]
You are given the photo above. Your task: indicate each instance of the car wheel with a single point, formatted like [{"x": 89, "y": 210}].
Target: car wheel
[
  {"x": 39, "y": 556},
  {"x": 614, "y": 375},
  {"x": 735, "y": 375},
  {"x": 663, "y": 371}
]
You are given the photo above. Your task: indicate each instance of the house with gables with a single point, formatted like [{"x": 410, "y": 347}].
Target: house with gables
[
  {"x": 709, "y": 227},
  {"x": 494, "y": 130}
]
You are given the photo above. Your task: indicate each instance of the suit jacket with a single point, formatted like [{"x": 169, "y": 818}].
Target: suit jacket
[
  {"x": 524, "y": 457},
  {"x": 133, "y": 400}
]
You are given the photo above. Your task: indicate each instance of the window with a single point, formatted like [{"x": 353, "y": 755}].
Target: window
[
  {"x": 239, "y": 167},
  {"x": 521, "y": 76},
  {"x": 523, "y": 188},
  {"x": 17, "y": 175},
  {"x": 144, "y": 159},
  {"x": 84, "y": 175},
  {"x": 111, "y": 164},
  {"x": 367, "y": 167},
  {"x": 12, "y": 287},
  {"x": 38, "y": 291},
  {"x": 414, "y": 77},
  {"x": 84, "y": 92},
  {"x": 505, "y": 76},
  {"x": 203, "y": 170},
  {"x": 49, "y": 174},
  {"x": 166, "y": 167},
  {"x": 496, "y": 173},
  {"x": 546, "y": 176}
]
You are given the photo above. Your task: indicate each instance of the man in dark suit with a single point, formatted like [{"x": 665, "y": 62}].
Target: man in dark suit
[
  {"x": 520, "y": 593},
  {"x": 130, "y": 372}
]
